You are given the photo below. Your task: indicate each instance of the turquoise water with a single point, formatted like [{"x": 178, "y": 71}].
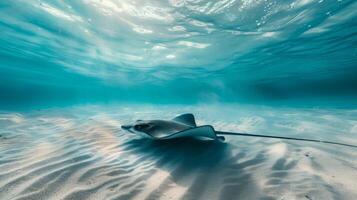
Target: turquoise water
[
  {"x": 73, "y": 71},
  {"x": 178, "y": 52}
]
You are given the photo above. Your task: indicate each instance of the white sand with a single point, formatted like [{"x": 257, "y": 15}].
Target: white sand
[{"x": 81, "y": 153}]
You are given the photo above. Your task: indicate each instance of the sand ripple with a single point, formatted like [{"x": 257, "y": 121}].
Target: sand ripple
[{"x": 80, "y": 153}]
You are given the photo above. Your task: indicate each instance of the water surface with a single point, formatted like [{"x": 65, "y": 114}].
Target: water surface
[{"x": 175, "y": 51}]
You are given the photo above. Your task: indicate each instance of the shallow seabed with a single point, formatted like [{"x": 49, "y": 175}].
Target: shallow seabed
[{"x": 81, "y": 153}]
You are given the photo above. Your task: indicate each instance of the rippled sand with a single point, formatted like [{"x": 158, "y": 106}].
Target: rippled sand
[{"x": 81, "y": 153}]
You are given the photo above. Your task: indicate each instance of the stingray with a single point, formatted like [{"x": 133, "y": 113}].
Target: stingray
[{"x": 184, "y": 126}]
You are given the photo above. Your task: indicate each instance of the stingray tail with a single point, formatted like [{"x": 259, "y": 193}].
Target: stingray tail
[{"x": 285, "y": 138}]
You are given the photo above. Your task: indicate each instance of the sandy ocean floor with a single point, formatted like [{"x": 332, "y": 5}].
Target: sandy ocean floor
[{"x": 81, "y": 153}]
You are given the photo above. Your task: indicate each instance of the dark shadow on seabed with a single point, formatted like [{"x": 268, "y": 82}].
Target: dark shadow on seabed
[{"x": 204, "y": 167}]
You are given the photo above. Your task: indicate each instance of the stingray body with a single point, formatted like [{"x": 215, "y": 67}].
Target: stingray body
[
  {"x": 185, "y": 126},
  {"x": 178, "y": 127}
]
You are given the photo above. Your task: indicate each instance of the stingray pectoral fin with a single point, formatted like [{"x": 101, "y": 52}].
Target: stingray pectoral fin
[
  {"x": 206, "y": 131},
  {"x": 187, "y": 119}
]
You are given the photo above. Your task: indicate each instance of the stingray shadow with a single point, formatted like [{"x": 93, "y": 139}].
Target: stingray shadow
[
  {"x": 188, "y": 153},
  {"x": 197, "y": 164}
]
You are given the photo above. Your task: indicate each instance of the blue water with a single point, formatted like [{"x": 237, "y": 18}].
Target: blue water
[
  {"x": 178, "y": 52},
  {"x": 73, "y": 71}
]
